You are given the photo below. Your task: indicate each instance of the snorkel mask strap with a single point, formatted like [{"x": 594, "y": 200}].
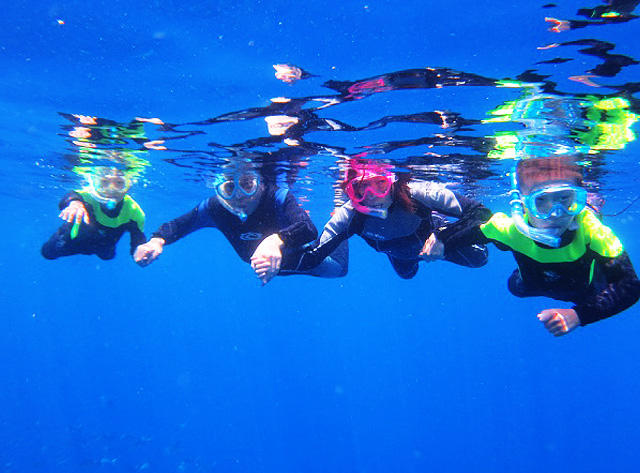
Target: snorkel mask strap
[{"x": 517, "y": 215}]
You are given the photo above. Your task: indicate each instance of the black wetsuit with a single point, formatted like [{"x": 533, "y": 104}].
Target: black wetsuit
[
  {"x": 277, "y": 212},
  {"x": 590, "y": 268},
  {"x": 402, "y": 234},
  {"x": 97, "y": 238}
]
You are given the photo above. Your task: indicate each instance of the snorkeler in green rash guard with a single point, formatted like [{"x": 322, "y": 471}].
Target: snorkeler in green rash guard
[
  {"x": 563, "y": 251},
  {"x": 96, "y": 217}
]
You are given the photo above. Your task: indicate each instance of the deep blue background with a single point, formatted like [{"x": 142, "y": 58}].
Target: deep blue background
[{"x": 189, "y": 365}]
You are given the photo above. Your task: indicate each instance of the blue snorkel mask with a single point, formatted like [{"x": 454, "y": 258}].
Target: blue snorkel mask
[
  {"x": 548, "y": 237},
  {"x": 108, "y": 186},
  {"x": 227, "y": 188}
]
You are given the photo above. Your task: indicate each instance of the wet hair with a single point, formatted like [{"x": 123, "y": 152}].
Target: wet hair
[
  {"x": 533, "y": 171},
  {"x": 402, "y": 193}
]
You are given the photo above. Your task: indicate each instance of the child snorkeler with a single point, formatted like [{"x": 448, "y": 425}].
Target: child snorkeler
[
  {"x": 96, "y": 217},
  {"x": 563, "y": 251}
]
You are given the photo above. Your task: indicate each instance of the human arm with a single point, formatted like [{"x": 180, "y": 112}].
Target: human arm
[
  {"x": 172, "y": 231},
  {"x": 198, "y": 217},
  {"x": 72, "y": 209},
  {"x": 622, "y": 290},
  {"x": 465, "y": 231},
  {"x": 337, "y": 230},
  {"x": 296, "y": 229}
]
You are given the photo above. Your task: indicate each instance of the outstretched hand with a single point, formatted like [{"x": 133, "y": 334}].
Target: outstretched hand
[
  {"x": 75, "y": 213},
  {"x": 559, "y": 321},
  {"x": 267, "y": 258},
  {"x": 433, "y": 249},
  {"x": 148, "y": 252}
]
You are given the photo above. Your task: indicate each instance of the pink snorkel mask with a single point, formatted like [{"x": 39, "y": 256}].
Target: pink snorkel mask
[{"x": 369, "y": 179}]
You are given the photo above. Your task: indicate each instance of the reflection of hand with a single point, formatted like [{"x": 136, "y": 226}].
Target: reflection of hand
[
  {"x": 75, "y": 213},
  {"x": 559, "y": 321},
  {"x": 146, "y": 253},
  {"x": 266, "y": 260},
  {"x": 287, "y": 73},
  {"x": 433, "y": 249}
]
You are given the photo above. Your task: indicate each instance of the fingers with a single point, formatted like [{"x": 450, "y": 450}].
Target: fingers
[
  {"x": 78, "y": 217},
  {"x": 546, "y": 315},
  {"x": 554, "y": 322},
  {"x": 145, "y": 256}
]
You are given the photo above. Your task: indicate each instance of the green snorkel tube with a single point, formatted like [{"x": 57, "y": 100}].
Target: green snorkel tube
[
  {"x": 74, "y": 230},
  {"x": 517, "y": 215}
]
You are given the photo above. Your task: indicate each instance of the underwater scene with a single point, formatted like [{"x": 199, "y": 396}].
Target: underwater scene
[{"x": 320, "y": 237}]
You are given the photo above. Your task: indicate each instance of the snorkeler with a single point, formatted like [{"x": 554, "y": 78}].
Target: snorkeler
[
  {"x": 399, "y": 217},
  {"x": 96, "y": 217},
  {"x": 563, "y": 251},
  {"x": 264, "y": 223}
]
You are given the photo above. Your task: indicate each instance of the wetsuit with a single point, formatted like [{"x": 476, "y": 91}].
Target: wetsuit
[
  {"x": 277, "y": 212},
  {"x": 103, "y": 232},
  {"x": 402, "y": 234},
  {"x": 590, "y": 268}
]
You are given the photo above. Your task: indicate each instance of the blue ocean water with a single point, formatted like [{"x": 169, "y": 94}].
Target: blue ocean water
[{"x": 190, "y": 365}]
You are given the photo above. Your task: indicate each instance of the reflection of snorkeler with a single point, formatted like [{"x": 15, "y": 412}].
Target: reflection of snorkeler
[{"x": 96, "y": 217}]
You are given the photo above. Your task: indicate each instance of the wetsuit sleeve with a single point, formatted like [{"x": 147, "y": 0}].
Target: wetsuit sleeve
[
  {"x": 620, "y": 293},
  {"x": 297, "y": 228},
  {"x": 68, "y": 198},
  {"x": 137, "y": 236},
  {"x": 337, "y": 230},
  {"x": 466, "y": 230},
  {"x": 197, "y": 218}
]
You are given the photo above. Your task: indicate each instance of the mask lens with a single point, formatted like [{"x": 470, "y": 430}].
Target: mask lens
[
  {"x": 118, "y": 183},
  {"x": 565, "y": 200},
  {"x": 226, "y": 189},
  {"x": 248, "y": 184},
  {"x": 380, "y": 186}
]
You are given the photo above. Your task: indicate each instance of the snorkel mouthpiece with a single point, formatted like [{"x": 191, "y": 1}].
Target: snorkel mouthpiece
[{"x": 378, "y": 213}]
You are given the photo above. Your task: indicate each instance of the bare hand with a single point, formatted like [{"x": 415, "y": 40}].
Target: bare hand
[
  {"x": 559, "y": 321},
  {"x": 148, "y": 252},
  {"x": 433, "y": 249},
  {"x": 75, "y": 213},
  {"x": 267, "y": 258}
]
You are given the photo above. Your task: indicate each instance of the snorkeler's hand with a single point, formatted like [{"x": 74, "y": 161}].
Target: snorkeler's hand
[
  {"x": 266, "y": 260},
  {"x": 433, "y": 249},
  {"x": 75, "y": 213},
  {"x": 147, "y": 252},
  {"x": 559, "y": 321}
]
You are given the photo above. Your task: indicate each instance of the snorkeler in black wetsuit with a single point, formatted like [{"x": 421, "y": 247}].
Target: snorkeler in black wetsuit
[
  {"x": 563, "y": 251},
  {"x": 96, "y": 218},
  {"x": 265, "y": 225}
]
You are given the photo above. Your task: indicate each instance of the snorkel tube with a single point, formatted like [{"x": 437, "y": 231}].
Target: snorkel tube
[{"x": 517, "y": 215}]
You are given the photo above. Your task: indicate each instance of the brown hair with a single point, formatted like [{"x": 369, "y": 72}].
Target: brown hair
[{"x": 533, "y": 171}]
